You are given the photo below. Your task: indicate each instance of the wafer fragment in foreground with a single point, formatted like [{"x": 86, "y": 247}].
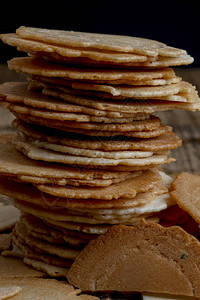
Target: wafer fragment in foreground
[{"x": 126, "y": 258}]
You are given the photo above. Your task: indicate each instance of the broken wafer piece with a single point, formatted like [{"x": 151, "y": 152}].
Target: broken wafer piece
[
  {"x": 185, "y": 192},
  {"x": 147, "y": 257}
]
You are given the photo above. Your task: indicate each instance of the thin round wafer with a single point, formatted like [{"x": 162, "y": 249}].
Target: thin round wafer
[
  {"x": 99, "y": 41},
  {"x": 61, "y": 264},
  {"x": 36, "y": 66},
  {"x": 75, "y": 182},
  {"x": 137, "y": 92},
  {"x": 163, "y": 142},
  {"x": 30, "y": 194},
  {"x": 17, "y": 92},
  {"x": 44, "y": 246},
  {"x": 36, "y": 153},
  {"x": 84, "y": 134},
  {"x": 53, "y": 215},
  {"x": 160, "y": 62},
  {"x": 13, "y": 163},
  {"x": 37, "y": 226},
  {"x": 178, "y": 101},
  {"x": 38, "y": 46},
  {"x": 159, "y": 79},
  {"x": 60, "y": 116}
]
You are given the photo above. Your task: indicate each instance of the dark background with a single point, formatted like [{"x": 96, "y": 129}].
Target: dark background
[{"x": 176, "y": 23}]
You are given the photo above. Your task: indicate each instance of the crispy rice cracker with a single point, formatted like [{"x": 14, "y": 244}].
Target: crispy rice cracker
[
  {"x": 185, "y": 192},
  {"x": 163, "y": 142},
  {"x": 134, "y": 253}
]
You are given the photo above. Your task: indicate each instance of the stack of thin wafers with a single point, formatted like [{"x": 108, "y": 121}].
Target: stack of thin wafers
[{"x": 88, "y": 148}]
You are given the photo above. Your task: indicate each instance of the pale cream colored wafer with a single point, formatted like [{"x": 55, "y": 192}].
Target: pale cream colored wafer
[
  {"x": 119, "y": 216},
  {"x": 147, "y": 241},
  {"x": 13, "y": 163},
  {"x": 90, "y": 153},
  {"x": 99, "y": 41},
  {"x": 36, "y": 153},
  {"x": 52, "y": 216},
  {"x": 163, "y": 142}
]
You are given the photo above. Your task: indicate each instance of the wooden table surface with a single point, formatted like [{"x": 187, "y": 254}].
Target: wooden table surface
[{"x": 185, "y": 124}]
